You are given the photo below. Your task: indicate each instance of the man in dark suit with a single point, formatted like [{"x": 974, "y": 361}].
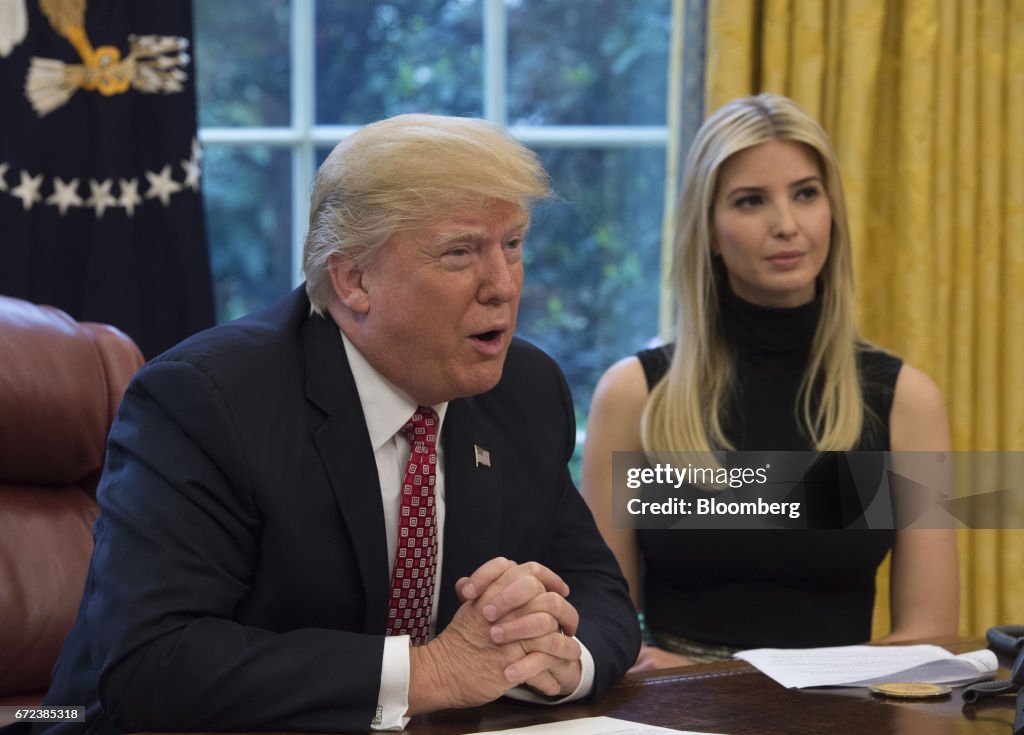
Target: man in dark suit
[{"x": 309, "y": 516}]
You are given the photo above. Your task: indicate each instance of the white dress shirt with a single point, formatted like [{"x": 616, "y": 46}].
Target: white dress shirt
[{"x": 387, "y": 408}]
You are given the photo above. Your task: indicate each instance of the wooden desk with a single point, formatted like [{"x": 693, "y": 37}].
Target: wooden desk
[{"x": 736, "y": 698}]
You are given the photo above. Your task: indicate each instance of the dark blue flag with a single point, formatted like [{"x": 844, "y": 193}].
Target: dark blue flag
[{"x": 100, "y": 207}]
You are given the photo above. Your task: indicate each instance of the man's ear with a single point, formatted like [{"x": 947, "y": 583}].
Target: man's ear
[{"x": 347, "y": 280}]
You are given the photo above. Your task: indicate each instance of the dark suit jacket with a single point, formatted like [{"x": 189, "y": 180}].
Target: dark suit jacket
[{"x": 240, "y": 576}]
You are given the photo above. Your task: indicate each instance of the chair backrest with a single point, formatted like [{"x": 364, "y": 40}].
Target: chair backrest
[{"x": 60, "y": 384}]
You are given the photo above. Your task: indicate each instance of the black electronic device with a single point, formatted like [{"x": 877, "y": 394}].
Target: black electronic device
[{"x": 1008, "y": 639}]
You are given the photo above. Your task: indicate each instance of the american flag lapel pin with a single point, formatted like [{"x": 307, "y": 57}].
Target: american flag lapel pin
[{"x": 482, "y": 456}]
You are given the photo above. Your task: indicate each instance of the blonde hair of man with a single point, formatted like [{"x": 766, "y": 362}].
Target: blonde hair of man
[
  {"x": 685, "y": 409},
  {"x": 405, "y": 172}
]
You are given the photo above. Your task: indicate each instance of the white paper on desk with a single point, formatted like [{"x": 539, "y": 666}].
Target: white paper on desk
[
  {"x": 594, "y": 726},
  {"x": 799, "y": 668}
]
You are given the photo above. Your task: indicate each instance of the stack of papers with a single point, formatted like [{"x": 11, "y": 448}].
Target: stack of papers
[{"x": 861, "y": 666}]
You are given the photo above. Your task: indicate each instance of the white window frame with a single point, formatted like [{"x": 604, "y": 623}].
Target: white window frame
[{"x": 302, "y": 137}]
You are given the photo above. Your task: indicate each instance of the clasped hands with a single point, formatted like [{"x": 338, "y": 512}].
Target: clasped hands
[{"x": 514, "y": 627}]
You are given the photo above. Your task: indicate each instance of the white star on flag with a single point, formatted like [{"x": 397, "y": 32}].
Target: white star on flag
[
  {"x": 100, "y": 198},
  {"x": 28, "y": 190},
  {"x": 191, "y": 175},
  {"x": 3, "y": 176},
  {"x": 64, "y": 195},
  {"x": 129, "y": 198},
  {"x": 162, "y": 185}
]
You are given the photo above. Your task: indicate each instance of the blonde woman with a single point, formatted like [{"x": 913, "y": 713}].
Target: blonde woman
[{"x": 767, "y": 357}]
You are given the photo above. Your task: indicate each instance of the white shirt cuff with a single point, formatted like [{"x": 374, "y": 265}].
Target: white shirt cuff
[
  {"x": 525, "y": 694},
  {"x": 393, "y": 698}
]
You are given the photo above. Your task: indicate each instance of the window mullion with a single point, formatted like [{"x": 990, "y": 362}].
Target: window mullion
[
  {"x": 495, "y": 61},
  {"x": 303, "y": 112}
]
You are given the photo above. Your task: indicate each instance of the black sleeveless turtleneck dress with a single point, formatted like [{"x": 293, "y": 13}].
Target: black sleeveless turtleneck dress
[{"x": 772, "y": 588}]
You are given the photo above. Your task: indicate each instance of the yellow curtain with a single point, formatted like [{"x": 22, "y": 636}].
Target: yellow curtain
[{"x": 924, "y": 100}]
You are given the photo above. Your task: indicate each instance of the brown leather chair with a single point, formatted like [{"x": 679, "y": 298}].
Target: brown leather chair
[{"x": 60, "y": 385}]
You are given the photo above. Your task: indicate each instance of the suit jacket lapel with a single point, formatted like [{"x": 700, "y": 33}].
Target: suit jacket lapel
[
  {"x": 343, "y": 444},
  {"x": 473, "y": 498}
]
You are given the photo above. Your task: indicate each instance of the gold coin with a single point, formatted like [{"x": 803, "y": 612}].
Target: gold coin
[{"x": 910, "y": 690}]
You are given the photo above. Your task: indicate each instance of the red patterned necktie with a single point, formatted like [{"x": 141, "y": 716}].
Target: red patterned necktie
[{"x": 412, "y": 578}]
